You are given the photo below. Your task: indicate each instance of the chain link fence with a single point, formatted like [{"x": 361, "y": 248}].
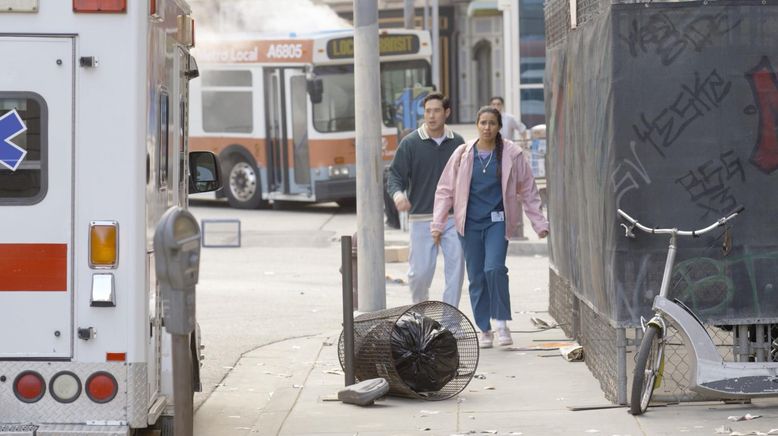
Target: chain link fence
[{"x": 606, "y": 346}]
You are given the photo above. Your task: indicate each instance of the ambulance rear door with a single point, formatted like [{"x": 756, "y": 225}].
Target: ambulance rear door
[{"x": 36, "y": 197}]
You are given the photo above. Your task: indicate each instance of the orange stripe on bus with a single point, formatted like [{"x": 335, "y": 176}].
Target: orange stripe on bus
[{"x": 33, "y": 267}]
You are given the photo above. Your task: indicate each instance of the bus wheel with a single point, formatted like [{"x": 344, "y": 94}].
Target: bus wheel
[{"x": 242, "y": 187}]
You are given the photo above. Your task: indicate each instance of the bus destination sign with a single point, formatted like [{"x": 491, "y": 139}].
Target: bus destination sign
[{"x": 389, "y": 45}]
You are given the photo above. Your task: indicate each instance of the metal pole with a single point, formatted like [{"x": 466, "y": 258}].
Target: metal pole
[
  {"x": 511, "y": 56},
  {"x": 436, "y": 46},
  {"x": 409, "y": 13},
  {"x": 371, "y": 276},
  {"x": 516, "y": 42},
  {"x": 182, "y": 385},
  {"x": 621, "y": 365},
  {"x": 426, "y": 15},
  {"x": 348, "y": 309}
]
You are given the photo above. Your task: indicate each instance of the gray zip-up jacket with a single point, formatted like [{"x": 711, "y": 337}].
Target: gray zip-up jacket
[{"x": 417, "y": 166}]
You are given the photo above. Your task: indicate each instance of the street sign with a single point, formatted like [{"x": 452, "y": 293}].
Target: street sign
[{"x": 11, "y": 155}]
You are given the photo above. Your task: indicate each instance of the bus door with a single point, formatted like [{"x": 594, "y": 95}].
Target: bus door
[
  {"x": 36, "y": 198},
  {"x": 287, "y": 112}
]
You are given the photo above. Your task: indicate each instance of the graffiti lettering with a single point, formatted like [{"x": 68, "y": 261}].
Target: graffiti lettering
[
  {"x": 693, "y": 102},
  {"x": 669, "y": 40},
  {"x": 623, "y": 177},
  {"x": 765, "y": 88},
  {"x": 707, "y": 184}
]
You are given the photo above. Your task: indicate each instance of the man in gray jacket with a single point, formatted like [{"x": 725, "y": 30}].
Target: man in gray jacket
[{"x": 413, "y": 178}]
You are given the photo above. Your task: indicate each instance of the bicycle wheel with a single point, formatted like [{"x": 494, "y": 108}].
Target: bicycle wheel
[{"x": 648, "y": 369}]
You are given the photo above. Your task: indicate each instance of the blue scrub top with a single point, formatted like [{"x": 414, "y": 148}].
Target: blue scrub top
[{"x": 485, "y": 192}]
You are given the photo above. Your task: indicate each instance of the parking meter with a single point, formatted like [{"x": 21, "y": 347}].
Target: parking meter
[{"x": 177, "y": 248}]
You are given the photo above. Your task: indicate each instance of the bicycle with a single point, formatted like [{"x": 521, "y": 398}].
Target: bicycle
[{"x": 708, "y": 374}]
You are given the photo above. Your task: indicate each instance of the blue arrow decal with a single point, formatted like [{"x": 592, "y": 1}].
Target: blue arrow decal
[{"x": 11, "y": 155}]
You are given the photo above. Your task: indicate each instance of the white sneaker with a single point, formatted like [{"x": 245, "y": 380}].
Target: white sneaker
[
  {"x": 486, "y": 339},
  {"x": 504, "y": 337}
]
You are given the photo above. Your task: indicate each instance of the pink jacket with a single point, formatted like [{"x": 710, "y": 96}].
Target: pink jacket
[{"x": 518, "y": 183}]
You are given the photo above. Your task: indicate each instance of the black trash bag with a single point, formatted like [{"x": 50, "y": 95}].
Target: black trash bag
[{"x": 425, "y": 353}]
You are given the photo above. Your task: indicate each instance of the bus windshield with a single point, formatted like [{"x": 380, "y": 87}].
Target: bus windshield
[{"x": 335, "y": 113}]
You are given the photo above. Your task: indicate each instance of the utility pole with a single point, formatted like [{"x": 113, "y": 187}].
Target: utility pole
[
  {"x": 426, "y": 25},
  {"x": 511, "y": 56},
  {"x": 436, "y": 46},
  {"x": 370, "y": 217},
  {"x": 409, "y": 14}
]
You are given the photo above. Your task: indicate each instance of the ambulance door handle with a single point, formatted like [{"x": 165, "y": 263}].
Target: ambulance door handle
[{"x": 86, "y": 333}]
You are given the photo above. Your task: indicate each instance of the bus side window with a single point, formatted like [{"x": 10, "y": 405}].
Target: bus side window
[{"x": 164, "y": 138}]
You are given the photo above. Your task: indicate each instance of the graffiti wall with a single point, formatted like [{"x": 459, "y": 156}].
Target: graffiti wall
[{"x": 668, "y": 111}]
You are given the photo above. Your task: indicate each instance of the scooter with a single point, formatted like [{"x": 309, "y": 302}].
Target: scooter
[{"x": 709, "y": 374}]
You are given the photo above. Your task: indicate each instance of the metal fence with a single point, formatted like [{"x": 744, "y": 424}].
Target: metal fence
[{"x": 610, "y": 352}]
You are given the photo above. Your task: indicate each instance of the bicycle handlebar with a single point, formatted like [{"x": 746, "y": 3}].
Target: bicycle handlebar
[{"x": 694, "y": 233}]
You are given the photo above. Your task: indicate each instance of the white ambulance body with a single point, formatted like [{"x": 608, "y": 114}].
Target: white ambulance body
[{"x": 101, "y": 88}]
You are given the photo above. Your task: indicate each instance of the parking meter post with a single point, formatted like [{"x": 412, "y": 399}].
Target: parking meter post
[
  {"x": 348, "y": 310},
  {"x": 354, "y": 270},
  {"x": 177, "y": 262}
]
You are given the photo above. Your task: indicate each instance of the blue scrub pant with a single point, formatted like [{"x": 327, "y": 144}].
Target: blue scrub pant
[{"x": 485, "y": 252}]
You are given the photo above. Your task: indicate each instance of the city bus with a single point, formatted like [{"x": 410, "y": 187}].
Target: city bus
[
  {"x": 93, "y": 152},
  {"x": 279, "y": 111}
]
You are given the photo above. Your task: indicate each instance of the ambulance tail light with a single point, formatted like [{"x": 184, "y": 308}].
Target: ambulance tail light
[
  {"x": 101, "y": 387},
  {"x": 100, "y": 6},
  {"x": 153, "y": 7},
  {"x": 103, "y": 244},
  {"x": 65, "y": 387},
  {"x": 29, "y": 387}
]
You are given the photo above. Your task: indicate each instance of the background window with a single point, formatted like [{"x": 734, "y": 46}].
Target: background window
[
  {"x": 227, "y": 101},
  {"x": 227, "y": 111},
  {"x": 26, "y": 185}
]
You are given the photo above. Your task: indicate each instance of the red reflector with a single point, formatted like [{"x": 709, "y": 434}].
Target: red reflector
[
  {"x": 101, "y": 387},
  {"x": 34, "y": 267},
  {"x": 29, "y": 387},
  {"x": 115, "y": 357},
  {"x": 99, "y": 5}
]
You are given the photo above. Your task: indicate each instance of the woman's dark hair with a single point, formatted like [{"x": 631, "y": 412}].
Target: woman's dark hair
[{"x": 498, "y": 146}]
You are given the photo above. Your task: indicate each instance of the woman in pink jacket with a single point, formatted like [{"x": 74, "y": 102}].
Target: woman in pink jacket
[{"x": 484, "y": 181}]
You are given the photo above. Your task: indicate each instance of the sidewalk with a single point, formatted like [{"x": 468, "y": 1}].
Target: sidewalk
[{"x": 289, "y": 388}]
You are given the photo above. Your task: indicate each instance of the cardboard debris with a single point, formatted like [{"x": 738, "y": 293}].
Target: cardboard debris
[
  {"x": 541, "y": 324},
  {"x": 572, "y": 353},
  {"x": 545, "y": 346}
]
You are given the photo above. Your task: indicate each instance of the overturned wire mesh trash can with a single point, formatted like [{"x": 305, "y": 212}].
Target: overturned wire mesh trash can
[{"x": 427, "y": 350}]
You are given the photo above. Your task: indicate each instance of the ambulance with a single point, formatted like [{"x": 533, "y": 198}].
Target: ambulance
[{"x": 93, "y": 151}]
